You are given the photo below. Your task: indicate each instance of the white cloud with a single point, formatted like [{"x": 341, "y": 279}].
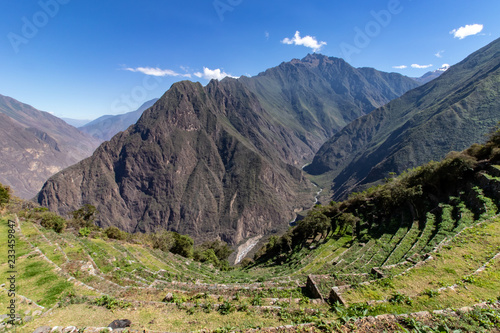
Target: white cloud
[
  {"x": 444, "y": 68},
  {"x": 468, "y": 30},
  {"x": 439, "y": 54},
  {"x": 307, "y": 41},
  {"x": 400, "y": 67},
  {"x": 420, "y": 66},
  {"x": 210, "y": 74},
  {"x": 156, "y": 71},
  {"x": 267, "y": 34}
]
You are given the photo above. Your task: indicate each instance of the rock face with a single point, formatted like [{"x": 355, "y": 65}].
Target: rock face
[
  {"x": 105, "y": 127},
  {"x": 36, "y": 145},
  {"x": 201, "y": 161},
  {"x": 318, "y": 95},
  {"x": 451, "y": 112},
  {"x": 222, "y": 161}
]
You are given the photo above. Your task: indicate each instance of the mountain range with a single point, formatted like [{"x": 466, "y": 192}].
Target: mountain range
[
  {"x": 429, "y": 76},
  {"x": 36, "y": 145},
  {"x": 76, "y": 122},
  {"x": 223, "y": 161},
  {"x": 105, "y": 127},
  {"x": 449, "y": 113},
  {"x": 318, "y": 95}
]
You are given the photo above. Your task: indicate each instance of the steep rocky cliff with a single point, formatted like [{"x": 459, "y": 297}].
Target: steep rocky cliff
[
  {"x": 319, "y": 95},
  {"x": 36, "y": 145},
  {"x": 223, "y": 161},
  {"x": 201, "y": 161}
]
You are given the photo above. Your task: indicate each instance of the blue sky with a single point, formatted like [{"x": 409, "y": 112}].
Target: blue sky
[{"x": 83, "y": 59}]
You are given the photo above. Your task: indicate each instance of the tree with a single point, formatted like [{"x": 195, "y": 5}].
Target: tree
[
  {"x": 314, "y": 223},
  {"x": 183, "y": 245},
  {"x": 207, "y": 255},
  {"x": 220, "y": 248},
  {"x": 346, "y": 220},
  {"x": 286, "y": 242},
  {"x": 4, "y": 194},
  {"x": 115, "y": 233},
  {"x": 163, "y": 240},
  {"x": 53, "y": 221},
  {"x": 85, "y": 216}
]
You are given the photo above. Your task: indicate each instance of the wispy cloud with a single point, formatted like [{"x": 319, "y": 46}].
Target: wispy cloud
[
  {"x": 156, "y": 71},
  {"x": 468, "y": 30},
  {"x": 267, "y": 35},
  {"x": 400, "y": 67},
  {"x": 439, "y": 54},
  {"x": 307, "y": 41},
  {"x": 420, "y": 66},
  {"x": 210, "y": 74}
]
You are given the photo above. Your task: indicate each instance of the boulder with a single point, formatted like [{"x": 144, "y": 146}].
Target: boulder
[
  {"x": 168, "y": 298},
  {"x": 120, "y": 323}
]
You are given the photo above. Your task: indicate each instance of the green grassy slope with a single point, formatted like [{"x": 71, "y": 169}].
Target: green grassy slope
[{"x": 433, "y": 235}]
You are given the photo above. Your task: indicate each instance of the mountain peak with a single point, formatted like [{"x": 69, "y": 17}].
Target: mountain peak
[
  {"x": 316, "y": 59},
  {"x": 454, "y": 111}
]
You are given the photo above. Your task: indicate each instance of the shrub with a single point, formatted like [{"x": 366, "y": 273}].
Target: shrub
[
  {"x": 71, "y": 298},
  {"x": 399, "y": 298},
  {"x": 257, "y": 300},
  {"x": 431, "y": 293},
  {"x": 115, "y": 233},
  {"x": 4, "y": 194},
  {"x": 110, "y": 303},
  {"x": 183, "y": 245},
  {"x": 207, "y": 256},
  {"x": 226, "y": 308},
  {"x": 224, "y": 266},
  {"x": 85, "y": 216},
  {"x": 246, "y": 262},
  {"x": 162, "y": 240},
  {"x": 84, "y": 232},
  {"x": 469, "y": 279},
  {"x": 220, "y": 249},
  {"x": 53, "y": 221}
]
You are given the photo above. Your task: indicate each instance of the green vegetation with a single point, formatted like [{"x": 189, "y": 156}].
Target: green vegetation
[
  {"x": 85, "y": 215},
  {"x": 420, "y": 242},
  {"x": 4, "y": 194},
  {"x": 111, "y": 303},
  {"x": 415, "y": 197},
  {"x": 425, "y": 124},
  {"x": 53, "y": 221},
  {"x": 115, "y": 233}
]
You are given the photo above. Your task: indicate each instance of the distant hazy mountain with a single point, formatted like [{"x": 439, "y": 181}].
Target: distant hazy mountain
[
  {"x": 223, "y": 161},
  {"x": 36, "y": 145},
  {"x": 449, "y": 113},
  {"x": 76, "y": 122},
  {"x": 429, "y": 76},
  {"x": 105, "y": 127}
]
